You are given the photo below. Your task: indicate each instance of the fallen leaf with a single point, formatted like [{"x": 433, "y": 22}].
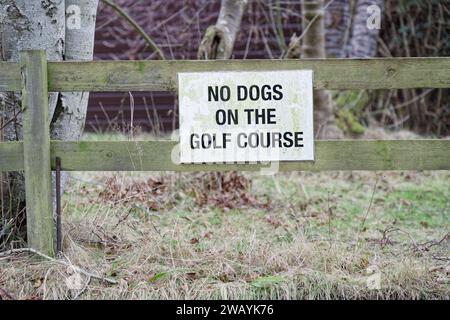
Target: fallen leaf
[
  {"x": 157, "y": 276},
  {"x": 191, "y": 276},
  {"x": 37, "y": 283},
  {"x": 424, "y": 224},
  {"x": 266, "y": 281}
]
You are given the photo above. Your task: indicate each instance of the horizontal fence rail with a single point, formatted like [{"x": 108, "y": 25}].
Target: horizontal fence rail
[
  {"x": 380, "y": 73},
  {"x": 157, "y": 155},
  {"x": 10, "y": 77}
]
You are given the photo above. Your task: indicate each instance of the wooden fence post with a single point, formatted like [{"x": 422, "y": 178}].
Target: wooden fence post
[{"x": 36, "y": 144}]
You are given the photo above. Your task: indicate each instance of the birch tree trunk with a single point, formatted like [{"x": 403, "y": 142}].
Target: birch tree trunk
[
  {"x": 218, "y": 41},
  {"x": 313, "y": 46},
  {"x": 363, "y": 41},
  {"x": 31, "y": 25},
  {"x": 337, "y": 28},
  {"x": 70, "y": 114},
  {"x": 26, "y": 25},
  {"x": 69, "y": 119}
]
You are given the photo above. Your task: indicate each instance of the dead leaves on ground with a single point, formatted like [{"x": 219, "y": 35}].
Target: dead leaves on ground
[
  {"x": 227, "y": 191},
  {"x": 149, "y": 193}
]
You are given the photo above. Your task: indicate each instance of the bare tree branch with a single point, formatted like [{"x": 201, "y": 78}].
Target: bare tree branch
[{"x": 136, "y": 26}]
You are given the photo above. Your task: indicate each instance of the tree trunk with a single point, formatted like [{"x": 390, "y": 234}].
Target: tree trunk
[
  {"x": 69, "y": 119},
  {"x": 363, "y": 41},
  {"x": 27, "y": 25},
  {"x": 218, "y": 41},
  {"x": 31, "y": 25},
  {"x": 337, "y": 28},
  {"x": 70, "y": 114},
  {"x": 314, "y": 47}
]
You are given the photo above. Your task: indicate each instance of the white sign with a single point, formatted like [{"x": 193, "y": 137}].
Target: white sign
[{"x": 230, "y": 117}]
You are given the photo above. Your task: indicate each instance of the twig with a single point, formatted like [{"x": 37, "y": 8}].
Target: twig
[
  {"x": 3, "y": 125},
  {"x": 370, "y": 205},
  {"x": 330, "y": 215},
  {"x": 413, "y": 242},
  {"x": 82, "y": 290},
  {"x": 427, "y": 245},
  {"x": 136, "y": 26},
  {"x": 441, "y": 258},
  {"x": 61, "y": 262},
  {"x": 361, "y": 229},
  {"x": 4, "y": 295}
]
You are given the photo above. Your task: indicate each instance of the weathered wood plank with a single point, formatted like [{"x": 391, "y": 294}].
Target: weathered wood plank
[
  {"x": 380, "y": 73},
  {"x": 36, "y": 152},
  {"x": 330, "y": 155},
  {"x": 11, "y": 156},
  {"x": 9, "y": 76},
  {"x": 156, "y": 156}
]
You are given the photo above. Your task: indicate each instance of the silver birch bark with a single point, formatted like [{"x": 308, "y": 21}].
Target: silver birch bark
[
  {"x": 363, "y": 41},
  {"x": 337, "y": 27},
  {"x": 68, "y": 122},
  {"x": 70, "y": 114},
  {"x": 26, "y": 25},
  {"x": 218, "y": 41}
]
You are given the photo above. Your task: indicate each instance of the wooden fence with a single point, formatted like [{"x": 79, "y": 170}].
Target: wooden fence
[{"x": 36, "y": 154}]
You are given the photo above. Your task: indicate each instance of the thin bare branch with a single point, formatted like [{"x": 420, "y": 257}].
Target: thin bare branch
[{"x": 136, "y": 26}]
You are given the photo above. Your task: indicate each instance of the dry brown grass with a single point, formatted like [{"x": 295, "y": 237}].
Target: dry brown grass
[{"x": 313, "y": 241}]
